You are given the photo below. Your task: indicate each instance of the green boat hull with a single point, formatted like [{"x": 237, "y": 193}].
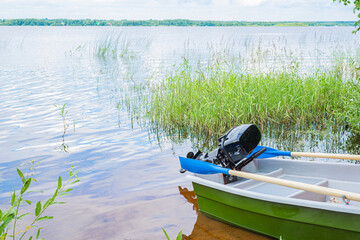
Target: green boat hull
[{"x": 276, "y": 219}]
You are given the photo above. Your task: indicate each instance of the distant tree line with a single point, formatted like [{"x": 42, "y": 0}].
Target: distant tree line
[{"x": 151, "y": 22}]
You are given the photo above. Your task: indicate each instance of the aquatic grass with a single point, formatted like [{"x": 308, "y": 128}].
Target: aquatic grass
[
  {"x": 64, "y": 147},
  {"x": 346, "y": 64},
  {"x": 213, "y": 100},
  {"x": 117, "y": 45},
  {"x": 178, "y": 237},
  {"x": 263, "y": 83},
  {"x": 351, "y": 113},
  {"x": 111, "y": 45}
]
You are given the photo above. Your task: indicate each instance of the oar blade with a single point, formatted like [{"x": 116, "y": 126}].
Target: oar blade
[
  {"x": 270, "y": 152},
  {"x": 201, "y": 167}
]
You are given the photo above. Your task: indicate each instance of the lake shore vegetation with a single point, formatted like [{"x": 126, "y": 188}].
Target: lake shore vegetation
[
  {"x": 213, "y": 99},
  {"x": 210, "y": 98}
]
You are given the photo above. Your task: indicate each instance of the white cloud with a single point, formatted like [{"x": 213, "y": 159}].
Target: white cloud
[{"x": 248, "y": 10}]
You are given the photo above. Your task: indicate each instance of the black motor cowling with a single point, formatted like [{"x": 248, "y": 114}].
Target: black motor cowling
[
  {"x": 234, "y": 146},
  {"x": 238, "y": 143},
  {"x": 233, "y": 149}
]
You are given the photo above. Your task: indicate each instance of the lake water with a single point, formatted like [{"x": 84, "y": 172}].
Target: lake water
[{"x": 130, "y": 185}]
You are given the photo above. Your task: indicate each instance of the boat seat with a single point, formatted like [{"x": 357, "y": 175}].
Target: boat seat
[
  {"x": 273, "y": 189},
  {"x": 277, "y": 190},
  {"x": 243, "y": 183},
  {"x": 301, "y": 194}
]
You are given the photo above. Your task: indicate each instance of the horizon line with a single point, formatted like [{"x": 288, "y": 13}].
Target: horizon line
[{"x": 175, "y": 19}]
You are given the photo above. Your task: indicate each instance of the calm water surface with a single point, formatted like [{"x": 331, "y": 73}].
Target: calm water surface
[{"x": 130, "y": 185}]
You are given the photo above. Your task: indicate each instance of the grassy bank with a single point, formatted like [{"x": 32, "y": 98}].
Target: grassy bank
[{"x": 213, "y": 98}]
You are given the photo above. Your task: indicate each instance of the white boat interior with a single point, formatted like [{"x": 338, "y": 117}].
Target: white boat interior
[{"x": 342, "y": 176}]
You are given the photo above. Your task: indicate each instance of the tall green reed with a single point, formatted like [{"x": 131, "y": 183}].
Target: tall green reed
[
  {"x": 109, "y": 46},
  {"x": 218, "y": 99},
  {"x": 266, "y": 83},
  {"x": 117, "y": 45},
  {"x": 213, "y": 98}
]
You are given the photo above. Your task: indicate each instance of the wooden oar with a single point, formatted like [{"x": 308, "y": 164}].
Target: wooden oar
[
  {"x": 201, "y": 167},
  {"x": 271, "y": 152}
]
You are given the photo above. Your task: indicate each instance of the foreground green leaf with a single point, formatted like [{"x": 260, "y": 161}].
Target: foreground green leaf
[
  {"x": 48, "y": 202},
  {"x": 179, "y": 236},
  {"x": 23, "y": 215},
  {"x": 59, "y": 182},
  {"x": 38, "y": 233},
  {"x": 45, "y": 218},
  {"x": 63, "y": 194},
  {"x": 167, "y": 236},
  {"x": 26, "y": 186},
  {"x": 13, "y": 196},
  {"x": 11, "y": 215},
  {"x": 21, "y": 175},
  {"x": 67, "y": 190},
  {"x": 38, "y": 208},
  {"x": 6, "y": 220},
  {"x": 75, "y": 181}
]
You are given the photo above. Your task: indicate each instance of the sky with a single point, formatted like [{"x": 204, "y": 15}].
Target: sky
[{"x": 223, "y": 10}]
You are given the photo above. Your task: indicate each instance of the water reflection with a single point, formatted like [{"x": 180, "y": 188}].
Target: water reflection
[
  {"x": 206, "y": 228},
  {"x": 190, "y": 198},
  {"x": 283, "y": 137},
  {"x": 311, "y": 139},
  {"x": 128, "y": 185},
  {"x": 64, "y": 147}
]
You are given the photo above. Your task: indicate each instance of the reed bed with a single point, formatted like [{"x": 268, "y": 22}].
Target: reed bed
[
  {"x": 117, "y": 45},
  {"x": 215, "y": 98},
  {"x": 266, "y": 84}
]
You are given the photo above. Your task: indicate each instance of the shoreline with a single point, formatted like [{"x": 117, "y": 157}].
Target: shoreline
[{"x": 170, "y": 22}]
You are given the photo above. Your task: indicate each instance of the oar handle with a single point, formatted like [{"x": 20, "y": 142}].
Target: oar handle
[
  {"x": 299, "y": 185},
  {"x": 325, "y": 155}
]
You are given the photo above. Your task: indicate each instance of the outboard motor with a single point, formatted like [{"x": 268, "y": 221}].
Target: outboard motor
[{"x": 234, "y": 146}]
